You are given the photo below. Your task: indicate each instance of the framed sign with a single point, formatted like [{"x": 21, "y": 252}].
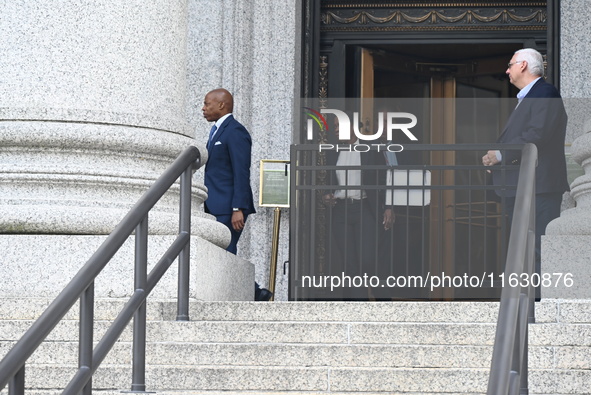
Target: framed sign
[{"x": 274, "y": 183}]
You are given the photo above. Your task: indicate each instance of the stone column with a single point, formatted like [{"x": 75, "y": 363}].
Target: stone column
[
  {"x": 566, "y": 246},
  {"x": 92, "y": 110}
]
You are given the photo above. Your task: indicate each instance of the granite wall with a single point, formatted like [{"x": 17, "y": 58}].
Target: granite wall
[
  {"x": 249, "y": 48},
  {"x": 575, "y": 49}
]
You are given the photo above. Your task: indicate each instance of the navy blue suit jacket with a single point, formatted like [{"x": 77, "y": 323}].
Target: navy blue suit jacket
[
  {"x": 540, "y": 119},
  {"x": 227, "y": 172}
]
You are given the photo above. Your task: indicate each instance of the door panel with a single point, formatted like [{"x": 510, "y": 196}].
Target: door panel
[
  {"x": 443, "y": 90},
  {"x": 451, "y": 215},
  {"x": 367, "y": 88}
]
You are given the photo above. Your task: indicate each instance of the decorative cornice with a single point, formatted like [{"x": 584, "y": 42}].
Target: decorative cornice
[
  {"x": 425, "y": 19},
  {"x": 434, "y": 28},
  {"x": 364, "y": 17},
  {"x": 441, "y": 4}
]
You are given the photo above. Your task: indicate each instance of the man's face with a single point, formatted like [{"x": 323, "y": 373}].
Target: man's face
[
  {"x": 212, "y": 108},
  {"x": 514, "y": 71}
]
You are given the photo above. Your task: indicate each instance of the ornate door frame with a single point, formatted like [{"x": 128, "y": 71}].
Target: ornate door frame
[{"x": 329, "y": 25}]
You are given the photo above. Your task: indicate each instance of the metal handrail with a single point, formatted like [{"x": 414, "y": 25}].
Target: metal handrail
[
  {"x": 509, "y": 365},
  {"x": 12, "y": 366}
]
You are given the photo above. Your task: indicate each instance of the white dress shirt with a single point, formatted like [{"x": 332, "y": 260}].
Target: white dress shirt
[{"x": 349, "y": 177}]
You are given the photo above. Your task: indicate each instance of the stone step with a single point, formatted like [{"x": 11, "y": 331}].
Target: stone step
[
  {"x": 59, "y": 392},
  {"x": 264, "y": 355},
  {"x": 316, "y": 348},
  {"x": 270, "y": 355},
  {"x": 280, "y": 332},
  {"x": 540, "y": 334},
  {"x": 234, "y": 378},
  {"x": 105, "y": 309},
  {"x": 216, "y": 392},
  {"x": 548, "y": 310},
  {"x": 240, "y": 379},
  {"x": 292, "y": 393},
  {"x": 479, "y": 312}
]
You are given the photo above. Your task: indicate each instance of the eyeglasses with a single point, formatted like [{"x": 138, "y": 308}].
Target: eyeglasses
[{"x": 511, "y": 64}]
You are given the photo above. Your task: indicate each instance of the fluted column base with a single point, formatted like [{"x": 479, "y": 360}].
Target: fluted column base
[
  {"x": 566, "y": 251},
  {"x": 72, "y": 178},
  {"x": 40, "y": 266}
]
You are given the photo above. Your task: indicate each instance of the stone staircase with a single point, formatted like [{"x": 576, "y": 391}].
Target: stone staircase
[{"x": 309, "y": 348}]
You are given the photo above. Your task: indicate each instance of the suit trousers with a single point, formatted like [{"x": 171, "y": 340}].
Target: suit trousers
[
  {"x": 227, "y": 220},
  {"x": 233, "y": 247}
]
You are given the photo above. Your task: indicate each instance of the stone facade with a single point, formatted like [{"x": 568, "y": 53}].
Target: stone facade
[{"x": 101, "y": 96}]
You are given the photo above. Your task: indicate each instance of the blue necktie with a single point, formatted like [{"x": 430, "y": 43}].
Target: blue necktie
[{"x": 211, "y": 133}]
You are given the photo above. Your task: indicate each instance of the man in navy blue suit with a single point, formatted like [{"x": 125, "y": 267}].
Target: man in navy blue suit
[
  {"x": 539, "y": 118},
  {"x": 227, "y": 172}
]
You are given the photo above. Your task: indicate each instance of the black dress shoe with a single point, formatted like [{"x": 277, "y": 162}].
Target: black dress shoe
[{"x": 263, "y": 295}]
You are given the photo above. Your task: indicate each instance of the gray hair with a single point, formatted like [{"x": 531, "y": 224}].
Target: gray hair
[{"x": 535, "y": 61}]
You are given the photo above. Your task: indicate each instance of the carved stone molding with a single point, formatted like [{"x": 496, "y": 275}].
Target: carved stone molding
[
  {"x": 577, "y": 220},
  {"x": 415, "y": 4},
  {"x": 454, "y": 18},
  {"x": 323, "y": 84},
  {"x": 321, "y": 222}
]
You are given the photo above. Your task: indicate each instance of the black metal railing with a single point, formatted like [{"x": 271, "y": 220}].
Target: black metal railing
[
  {"x": 509, "y": 366},
  {"x": 450, "y": 224},
  {"x": 12, "y": 366}
]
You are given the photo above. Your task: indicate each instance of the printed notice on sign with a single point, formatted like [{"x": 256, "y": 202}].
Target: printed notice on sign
[{"x": 274, "y": 183}]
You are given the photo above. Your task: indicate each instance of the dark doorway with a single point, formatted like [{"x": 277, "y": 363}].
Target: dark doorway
[
  {"x": 441, "y": 50},
  {"x": 460, "y": 86}
]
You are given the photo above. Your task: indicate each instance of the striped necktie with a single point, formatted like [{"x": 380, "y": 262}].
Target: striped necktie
[{"x": 211, "y": 134}]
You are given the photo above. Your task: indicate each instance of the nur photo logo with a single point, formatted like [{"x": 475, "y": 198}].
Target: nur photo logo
[{"x": 388, "y": 123}]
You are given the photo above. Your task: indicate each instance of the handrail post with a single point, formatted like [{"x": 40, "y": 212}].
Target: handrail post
[
  {"x": 184, "y": 262},
  {"x": 528, "y": 307},
  {"x": 139, "y": 320},
  {"x": 16, "y": 386},
  {"x": 86, "y": 336},
  {"x": 531, "y": 316},
  {"x": 523, "y": 344},
  {"x": 531, "y": 257}
]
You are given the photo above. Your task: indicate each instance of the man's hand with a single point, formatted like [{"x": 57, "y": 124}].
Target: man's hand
[
  {"x": 490, "y": 159},
  {"x": 329, "y": 200},
  {"x": 389, "y": 218},
  {"x": 238, "y": 220}
]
